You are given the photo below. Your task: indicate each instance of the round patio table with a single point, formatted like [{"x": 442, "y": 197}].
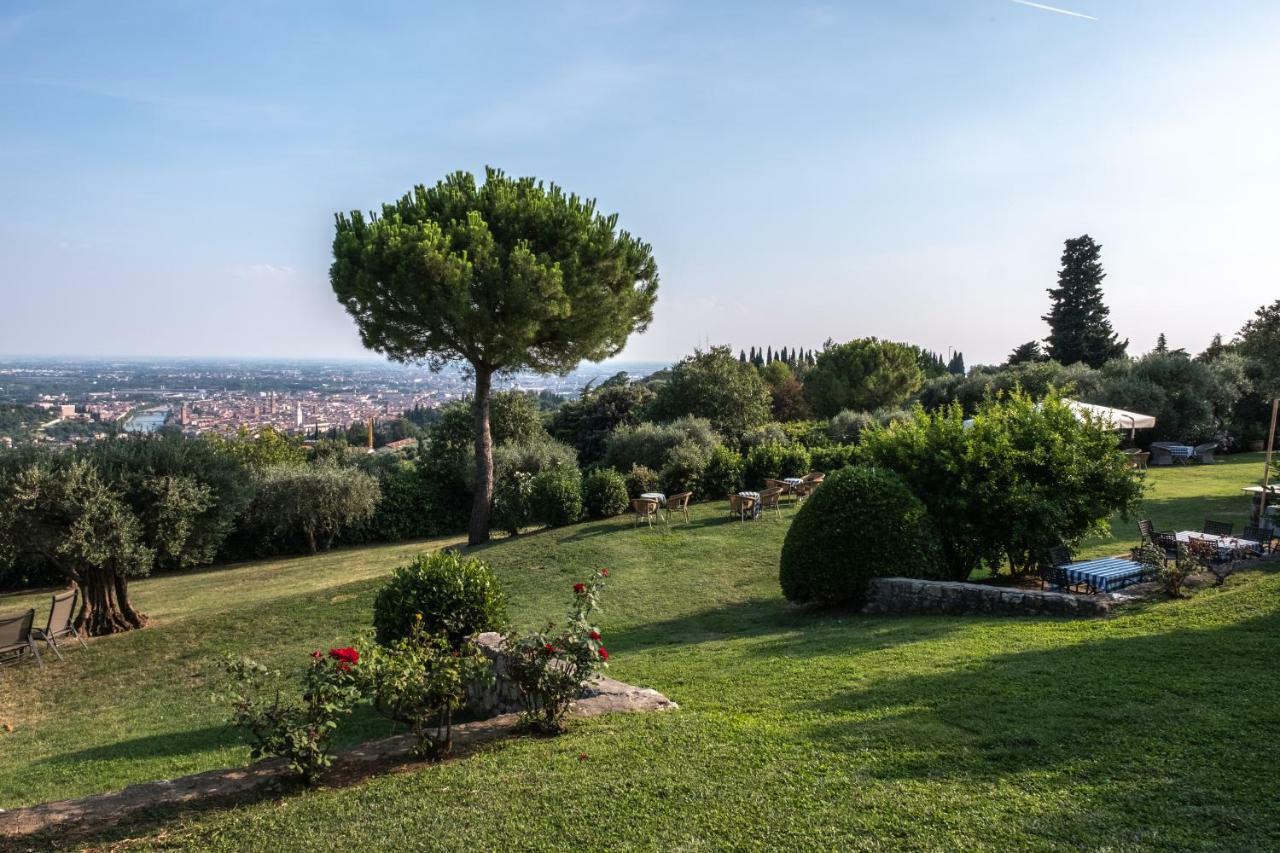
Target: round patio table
[{"x": 655, "y": 496}]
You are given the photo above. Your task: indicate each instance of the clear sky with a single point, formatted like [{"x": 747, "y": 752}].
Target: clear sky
[{"x": 900, "y": 168}]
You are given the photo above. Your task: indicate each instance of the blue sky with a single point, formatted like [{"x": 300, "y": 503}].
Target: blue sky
[{"x": 903, "y": 168}]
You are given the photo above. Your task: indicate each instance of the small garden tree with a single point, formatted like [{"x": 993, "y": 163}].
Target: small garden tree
[
  {"x": 500, "y": 276},
  {"x": 1079, "y": 321},
  {"x": 716, "y": 386}
]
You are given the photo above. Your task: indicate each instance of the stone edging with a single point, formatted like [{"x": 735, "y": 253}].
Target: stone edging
[
  {"x": 912, "y": 595},
  {"x": 604, "y": 696}
]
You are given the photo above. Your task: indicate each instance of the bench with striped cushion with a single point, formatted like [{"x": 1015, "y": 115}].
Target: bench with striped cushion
[{"x": 1107, "y": 574}]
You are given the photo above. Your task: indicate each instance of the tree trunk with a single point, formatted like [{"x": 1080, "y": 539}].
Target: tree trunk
[
  {"x": 483, "y": 500},
  {"x": 104, "y": 604}
]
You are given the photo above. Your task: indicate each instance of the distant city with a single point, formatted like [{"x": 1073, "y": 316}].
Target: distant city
[{"x": 75, "y": 400}]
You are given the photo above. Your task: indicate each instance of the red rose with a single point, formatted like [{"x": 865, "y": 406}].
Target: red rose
[
  {"x": 595, "y": 635},
  {"x": 347, "y": 655},
  {"x": 604, "y": 654},
  {"x": 549, "y": 649},
  {"x": 604, "y": 573},
  {"x": 317, "y": 654},
  {"x": 579, "y": 588},
  {"x": 344, "y": 667}
]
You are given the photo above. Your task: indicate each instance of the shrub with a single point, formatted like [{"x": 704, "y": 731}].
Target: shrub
[
  {"x": 556, "y": 497},
  {"x": 1170, "y": 574},
  {"x": 723, "y": 474},
  {"x": 764, "y": 461},
  {"x": 716, "y": 386},
  {"x": 770, "y": 433},
  {"x": 299, "y": 732},
  {"x": 551, "y": 667},
  {"x": 455, "y": 596},
  {"x": 532, "y": 457},
  {"x": 795, "y": 461},
  {"x": 832, "y": 458},
  {"x": 641, "y": 480},
  {"x": 847, "y": 426},
  {"x": 604, "y": 493},
  {"x": 311, "y": 505},
  {"x": 861, "y": 523},
  {"x": 420, "y": 681},
  {"x": 685, "y": 466},
  {"x": 809, "y": 433},
  {"x": 648, "y": 444},
  {"x": 513, "y": 502}
]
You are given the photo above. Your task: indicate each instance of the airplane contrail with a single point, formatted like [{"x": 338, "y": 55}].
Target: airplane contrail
[{"x": 1054, "y": 9}]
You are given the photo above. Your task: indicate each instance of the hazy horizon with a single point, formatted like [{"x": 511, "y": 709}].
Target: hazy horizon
[{"x": 906, "y": 170}]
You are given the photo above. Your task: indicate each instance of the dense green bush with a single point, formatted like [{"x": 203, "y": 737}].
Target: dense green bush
[
  {"x": 847, "y": 426},
  {"x": 512, "y": 502},
  {"x": 764, "y": 461},
  {"x": 796, "y": 461},
  {"x": 770, "y": 433},
  {"x": 716, "y": 386},
  {"x": 456, "y": 596},
  {"x": 640, "y": 480},
  {"x": 604, "y": 493},
  {"x": 648, "y": 444},
  {"x": 310, "y": 506},
  {"x": 685, "y": 466},
  {"x": 862, "y": 374},
  {"x": 723, "y": 474},
  {"x": 556, "y": 497},
  {"x": 405, "y": 510},
  {"x": 832, "y": 458},
  {"x": 588, "y": 422},
  {"x": 861, "y": 523}
]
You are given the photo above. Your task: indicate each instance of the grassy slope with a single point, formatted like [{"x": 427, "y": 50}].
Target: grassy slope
[{"x": 1154, "y": 727}]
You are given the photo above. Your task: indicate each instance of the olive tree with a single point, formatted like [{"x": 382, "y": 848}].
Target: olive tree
[{"x": 503, "y": 275}]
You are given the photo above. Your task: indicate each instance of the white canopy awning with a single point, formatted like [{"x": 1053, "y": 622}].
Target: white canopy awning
[
  {"x": 1105, "y": 415},
  {"x": 1114, "y": 418}
]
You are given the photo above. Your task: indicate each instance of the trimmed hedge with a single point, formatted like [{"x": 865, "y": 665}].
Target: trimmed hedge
[
  {"x": 604, "y": 493},
  {"x": 862, "y": 522},
  {"x": 556, "y": 497},
  {"x": 456, "y": 596}
]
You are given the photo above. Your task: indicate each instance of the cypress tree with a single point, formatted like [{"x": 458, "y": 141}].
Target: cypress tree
[
  {"x": 1079, "y": 328},
  {"x": 1162, "y": 344}
]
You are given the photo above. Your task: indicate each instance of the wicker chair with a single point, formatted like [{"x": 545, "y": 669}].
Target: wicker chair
[
  {"x": 1203, "y": 453},
  {"x": 61, "y": 622},
  {"x": 1160, "y": 454},
  {"x": 1138, "y": 461},
  {"x": 742, "y": 506},
  {"x": 645, "y": 510},
  {"x": 1218, "y": 528},
  {"x": 679, "y": 503},
  {"x": 769, "y": 501},
  {"x": 16, "y": 639}
]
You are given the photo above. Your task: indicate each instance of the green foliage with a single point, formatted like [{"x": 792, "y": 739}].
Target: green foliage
[
  {"x": 301, "y": 732},
  {"x": 770, "y": 433},
  {"x": 764, "y": 461},
  {"x": 863, "y": 374},
  {"x": 796, "y": 461},
  {"x": 502, "y": 275},
  {"x": 405, "y": 509},
  {"x": 187, "y": 494},
  {"x": 552, "y": 666},
  {"x": 648, "y": 443},
  {"x": 1079, "y": 324},
  {"x": 716, "y": 386},
  {"x": 604, "y": 493},
  {"x": 1190, "y": 400},
  {"x": 453, "y": 595},
  {"x": 861, "y": 523},
  {"x": 311, "y": 506},
  {"x": 1038, "y": 379},
  {"x": 846, "y": 427},
  {"x": 1172, "y": 575},
  {"x": 588, "y": 422},
  {"x": 1259, "y": 344},
  {"x": 513, "y": 501},
  {"x": 832, "y": 458},
  {"x": 685, "y": 466},
  {"x": 421, "y": 681},
  {"x": 1025, "y": 477},
  {"x": 269, "y": 448},
  {"x": 1027, "y": 353},
  {"x": 723, "y": 474},
  {"x": 811, "y": 433},
  {"x": 640, "y": 480},
  {"x": 556, "y": 496}
]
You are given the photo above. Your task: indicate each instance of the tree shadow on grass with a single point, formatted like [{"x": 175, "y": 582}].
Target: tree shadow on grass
[
  {"x": 169, "y": 745},
  {"x": 1182, "y": 721}
]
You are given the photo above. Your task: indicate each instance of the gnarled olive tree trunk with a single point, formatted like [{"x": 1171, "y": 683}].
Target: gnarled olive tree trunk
[{"x": 104, "y": 603}]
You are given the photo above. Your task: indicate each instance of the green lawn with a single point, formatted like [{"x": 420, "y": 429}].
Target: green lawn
[{"x": 1155, "y": 728}]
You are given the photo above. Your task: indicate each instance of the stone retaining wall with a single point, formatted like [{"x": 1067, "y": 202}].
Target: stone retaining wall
[
  {"x": 501, "y": 696},
  {"x": 911, "y": 595}
]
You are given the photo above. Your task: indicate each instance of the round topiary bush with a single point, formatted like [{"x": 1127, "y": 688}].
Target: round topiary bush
[
  {"x": 556, "y": 497},
  {"x": 456, "y": 596},
  {"x": 604, "y": 493},
  {"x": 862, "y": 522}
]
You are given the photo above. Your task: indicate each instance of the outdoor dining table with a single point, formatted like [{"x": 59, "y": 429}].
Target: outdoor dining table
[
  {"x": 1226, "y": 545},
  {"x": 755, "y": 497},
  {"x": 655, "y": 496},
  {"x": 1180, "y": 451},
  {"x": 1106, "y": 574}
]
